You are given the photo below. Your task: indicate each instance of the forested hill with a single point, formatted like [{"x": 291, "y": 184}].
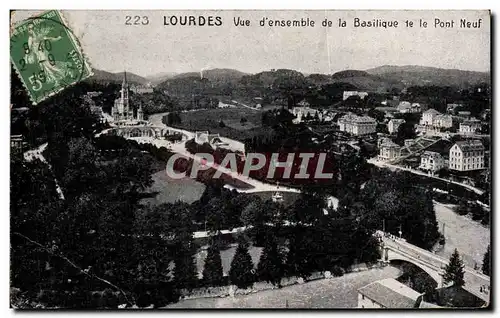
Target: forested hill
[
  {"x": 103, "y": 76},
  {"x": 423, "y": 75}
]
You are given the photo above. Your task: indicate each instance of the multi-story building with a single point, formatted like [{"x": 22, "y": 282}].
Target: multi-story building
[
  {"x": 348, "y": 94},
  {"x": 17, "y": 143},
  {"x": 431, "y": 161},
  {"x": 464, "y": 113},
  {"x": 389, "y": 150},
  {"x": 393, "y": 125},
  {"x": 450, "y": 108},
  {"x": 387, "y": 293},
  {"x": 139, "y": 89},
  {"x": 466, "y": 155},
  {"x": 433, "y": 120},
  {"x": 409, "y": 142},
  {"x": 357, "y": 125},
  {"x": 301, "y": 112},
  {"x": 470, "y": 126},
  {"x": 443, "y": 121},
  {"x": 407, "y": 107},
  {"x": 428, "y": 117}
]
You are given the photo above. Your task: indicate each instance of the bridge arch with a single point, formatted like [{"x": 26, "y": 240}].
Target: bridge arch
[{"x": 390, "y": 255}]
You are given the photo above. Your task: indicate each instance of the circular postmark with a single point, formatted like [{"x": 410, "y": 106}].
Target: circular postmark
[{"x": 47, "y": 56}]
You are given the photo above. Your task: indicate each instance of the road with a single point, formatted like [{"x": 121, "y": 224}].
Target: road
[
  {"x": 180, "y": 148},
  {"x": 243, "y": 105},
  {"x": 383, "y": 164}
]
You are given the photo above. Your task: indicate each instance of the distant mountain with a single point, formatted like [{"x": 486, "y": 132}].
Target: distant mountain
[
  {"x": 424, "y": 75},
  {"x": 215, "y": 75},
  {"x": 160, "y": 77},
  {"x": 103, "y": 76},
  {"x": 268, "y": 78}
]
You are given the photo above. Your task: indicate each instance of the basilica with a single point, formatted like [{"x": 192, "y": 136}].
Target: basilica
[{"x": 122, "y": 111}]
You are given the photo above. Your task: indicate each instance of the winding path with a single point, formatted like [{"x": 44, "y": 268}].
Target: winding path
[{"x": 37, "y": 154}]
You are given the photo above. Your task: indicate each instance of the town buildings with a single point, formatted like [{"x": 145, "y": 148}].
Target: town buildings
[
  {"x": 443, "y": 121},
  {"x": 304, "y": 112},
  {"x": 348, "y": 94},
  {"x": 389, "y": 150},
  {"x": 139, "y": 89},
  {"x": 466, "y": 155},
  {"x": 432, "y": 119},
  {"x": 431, "y": 161},
  {"x": 428, "y": 117},
  {"x": 393, "y": 125},
  {"x": 17, "y": 143},
  {"x": 450, "y": 108},
  {"x": 387, "y": 293},
  {"x": 357, "y": 125},
  {"x": 203, "y": 137},
  {"x": 405, "y": 107},
  {"x": 470, "y": 126}
]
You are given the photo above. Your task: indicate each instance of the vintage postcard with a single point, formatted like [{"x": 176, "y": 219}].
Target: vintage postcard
[{"x": 250, "y": 159}]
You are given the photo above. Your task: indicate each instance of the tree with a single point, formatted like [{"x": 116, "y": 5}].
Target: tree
[
  {"x": 463, "y": 207},
  {"x": 185, "y": 274},
  {"x": 212, "y": 271},
  {"x": 241, "y": 272},
  {"x": 405, "y": 131},
  {"x": 271, "y": 267},
  {"x": 486, "y": 262},
  {"x": 300, "y": 257},
  {"x": 454, "y": 271}
]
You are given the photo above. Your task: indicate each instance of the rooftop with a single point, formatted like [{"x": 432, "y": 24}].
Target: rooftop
[
  {"x": 397, "y": 120},
  {"x": 390, "y": 293},
  {"x": 404, "y": 105},
  {"x": 472, "y": 121},
  {"x": 432, "y": 111},
  {"x": 364, "y": 119},
  {"x": 470, "y": 145},
  {"x": 389, "y": 143},
  {"x": 431, "y": 154}
]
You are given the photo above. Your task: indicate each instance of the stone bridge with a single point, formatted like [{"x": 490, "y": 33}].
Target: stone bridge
[{"x": 395, "y": 248}]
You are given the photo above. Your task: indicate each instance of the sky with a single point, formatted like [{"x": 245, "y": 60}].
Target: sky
[{"x": 147, "y": 50}]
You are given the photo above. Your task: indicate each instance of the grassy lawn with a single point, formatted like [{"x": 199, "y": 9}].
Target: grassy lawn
[
  {"x": 170, "y": 190},
  {"x": 209, "y": 119}
]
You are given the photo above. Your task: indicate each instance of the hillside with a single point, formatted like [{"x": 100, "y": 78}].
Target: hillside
[
  {"x": 215, "y": 75},
  {"x": 160, "y": 77},
  {"x": 365, "y": 81},
  {"x": 268, "y": 78},
  {"x": 103, "y": 76},
  {"x": 423, "y": 75}
]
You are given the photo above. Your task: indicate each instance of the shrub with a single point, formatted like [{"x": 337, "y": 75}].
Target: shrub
[
  {"x": 109, "y": 299},
  {"x": 337, "y": 271}
]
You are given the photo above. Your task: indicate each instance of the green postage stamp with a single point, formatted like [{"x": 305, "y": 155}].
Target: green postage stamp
[{"x": 47, "y": 56}]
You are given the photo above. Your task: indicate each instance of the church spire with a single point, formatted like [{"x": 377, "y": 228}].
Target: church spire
[{"x": 124, "y": 83}]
